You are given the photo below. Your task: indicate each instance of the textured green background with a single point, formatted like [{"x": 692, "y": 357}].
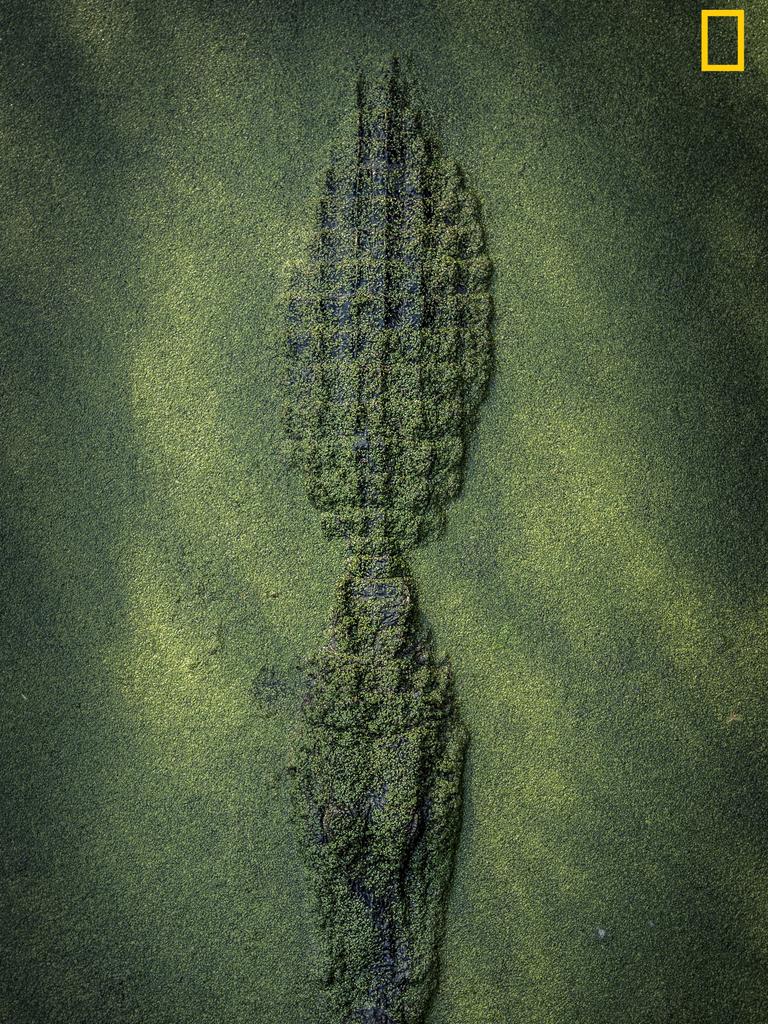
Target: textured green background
[{"x": 601, "y": 586}]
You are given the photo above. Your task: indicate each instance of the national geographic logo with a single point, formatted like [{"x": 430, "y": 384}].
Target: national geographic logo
[{"x": 737, "y": 43}]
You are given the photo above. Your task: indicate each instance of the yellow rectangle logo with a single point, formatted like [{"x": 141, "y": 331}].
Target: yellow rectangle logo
[{"x": 705, "y": 16}]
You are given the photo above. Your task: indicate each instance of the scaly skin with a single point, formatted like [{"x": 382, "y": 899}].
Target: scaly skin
[{"x": 389, "y": 344}]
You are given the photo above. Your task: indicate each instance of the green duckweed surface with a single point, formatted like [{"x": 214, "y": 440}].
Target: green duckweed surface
[{"x": 600, "y": 586}]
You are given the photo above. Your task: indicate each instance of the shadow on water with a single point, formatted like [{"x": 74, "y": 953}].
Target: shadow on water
[{"x": 70, "y": 477}]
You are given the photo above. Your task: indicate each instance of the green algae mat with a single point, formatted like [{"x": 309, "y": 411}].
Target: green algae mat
[{"x": 599, "y": 585}]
